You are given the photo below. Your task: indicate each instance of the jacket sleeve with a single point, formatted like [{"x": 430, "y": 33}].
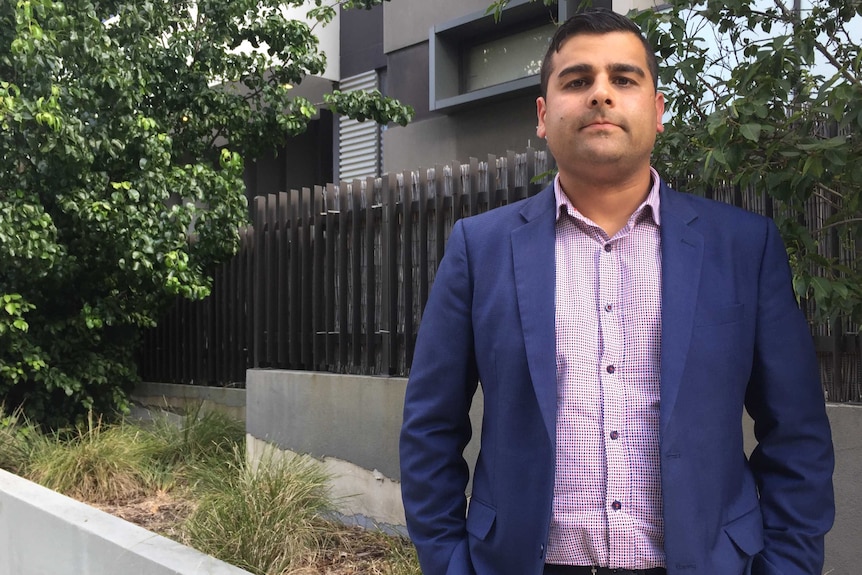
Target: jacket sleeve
[
  {"x": 436, "y": 426},
  {"x": 794, "y": 460}
]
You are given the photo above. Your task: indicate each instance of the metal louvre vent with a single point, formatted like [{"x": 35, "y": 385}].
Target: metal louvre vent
[{"x": 358, "y": 142}]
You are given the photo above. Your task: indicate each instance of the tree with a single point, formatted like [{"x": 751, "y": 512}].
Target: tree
[
  {"x": 124, "y": 130},
  {"x": 767, "y": 99}
]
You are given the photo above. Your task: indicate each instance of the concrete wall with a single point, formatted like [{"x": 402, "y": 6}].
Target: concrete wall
[
  {"x": 475, "y": 133},
  {"x": 844, "y": 542},
  {"x": 43, "y": 532},
  {"x": 353, "y": 422},
  {"x": 184, "y": 397},
  {"x": 407, "y": 22}
]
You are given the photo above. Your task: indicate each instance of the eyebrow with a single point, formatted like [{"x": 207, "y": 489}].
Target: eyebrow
[{"x": 588, "y": 68}]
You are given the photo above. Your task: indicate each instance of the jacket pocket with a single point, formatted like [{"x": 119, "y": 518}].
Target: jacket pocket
[
  {"x": 746, "y": 532},
  {"x": 480, "y": 518}
]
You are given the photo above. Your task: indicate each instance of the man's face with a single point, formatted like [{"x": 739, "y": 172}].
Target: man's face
[{"x": 601, "y": 113}]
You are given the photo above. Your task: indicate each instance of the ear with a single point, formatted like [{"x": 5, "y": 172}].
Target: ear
[
  {"x": 659, "y": 112},
  {"x": 541, "y": 110}
]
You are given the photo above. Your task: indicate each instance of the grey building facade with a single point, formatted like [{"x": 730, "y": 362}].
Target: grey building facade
[{"x": 472, "y": 81}]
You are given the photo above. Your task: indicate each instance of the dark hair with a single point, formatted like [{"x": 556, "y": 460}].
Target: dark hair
[{"x": 595, "y": 21}]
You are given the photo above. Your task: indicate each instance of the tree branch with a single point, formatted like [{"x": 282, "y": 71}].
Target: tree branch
[
  {"x": 825, "y": 198},
  {"x": 789, "y": 15},
  {"x": 820, "y": 230}
]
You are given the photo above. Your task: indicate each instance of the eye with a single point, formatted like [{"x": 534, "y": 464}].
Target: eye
[
  {"x": 577, "y": 83},
  {"x": 623, "y": 81}
]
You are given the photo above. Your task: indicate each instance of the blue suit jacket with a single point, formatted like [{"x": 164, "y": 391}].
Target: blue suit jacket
[{"x": 732, "y": 336}]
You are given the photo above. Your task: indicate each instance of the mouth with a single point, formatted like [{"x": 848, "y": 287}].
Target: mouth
[{"x": 600, "y": 125}]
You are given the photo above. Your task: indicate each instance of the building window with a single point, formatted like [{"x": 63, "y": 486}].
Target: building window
[
  {"x": 512, "y": 57},
  {"x": 476, "y": 59}
]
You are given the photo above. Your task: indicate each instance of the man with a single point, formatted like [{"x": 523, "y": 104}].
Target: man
[{"x": 618, "y": 329}]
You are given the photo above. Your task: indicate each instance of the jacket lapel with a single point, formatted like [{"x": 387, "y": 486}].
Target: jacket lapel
[
  {"x": 682, "y": 257},
  {"x": 534, "y": 268}
]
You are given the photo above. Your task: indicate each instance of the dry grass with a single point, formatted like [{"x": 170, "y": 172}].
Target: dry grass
[
  {"x": 97, "y": 465},
  {"x": 265, "y": 519},
  {"x": 191, "y": 483},
  {"x": 161, "y": 512},
  {"x": 18, "y": 437},
  {"x": 357, "y": 551}
]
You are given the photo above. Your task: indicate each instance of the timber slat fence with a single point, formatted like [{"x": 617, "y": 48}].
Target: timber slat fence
[
  {"x": 332, "y": 278},
  {"x": 335, "y": 278}
]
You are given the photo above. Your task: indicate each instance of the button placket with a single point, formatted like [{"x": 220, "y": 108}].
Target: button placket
[{"x": 613, "y": 392}]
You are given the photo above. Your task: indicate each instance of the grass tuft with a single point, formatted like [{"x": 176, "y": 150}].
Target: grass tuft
[
  {"x": 18, "y": 438},
  {"x": 198, "y": 436},
  {"x": 98, "y": 464},
  {"x": 195, "y": 445},
  {"x": 265, "y": 519}
]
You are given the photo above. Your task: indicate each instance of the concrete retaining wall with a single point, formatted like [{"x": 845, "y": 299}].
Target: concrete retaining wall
[
  {"x": 43, "y": 532},
  {"x": 182, "y": 397},
  {"x": 352, "y": 424}
]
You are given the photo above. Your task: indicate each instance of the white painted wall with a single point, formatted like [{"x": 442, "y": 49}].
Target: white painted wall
[
  {"x": 328, "y": 37},
  {"x": 45, "y": 533}
]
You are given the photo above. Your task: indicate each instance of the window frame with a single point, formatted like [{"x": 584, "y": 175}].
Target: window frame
[{"x": 449, "y": 41}]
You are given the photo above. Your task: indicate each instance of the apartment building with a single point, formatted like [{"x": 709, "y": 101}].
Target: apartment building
[{"x": 473, "y": 82}]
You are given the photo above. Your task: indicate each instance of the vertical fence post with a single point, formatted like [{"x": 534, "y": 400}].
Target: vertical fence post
[
  {"x": 459, "y": 199},
  {"x": 408, "y": 209},
  {"x": 218, "y": 351},
  {"x": 271, "y": 277},
  {"x": 282, "y": 290},
  {"x": 442, "y": 204},
  {"x": 329, "y": 306},
  {"x": 343, "y": 275},
  {"x": 837, "y": 354},
  {"x": 306, "y": 280},
  {"x": 424, "y": 182},
  {"x": 294, "y": 287},
  {"x": 242, "y": 312},
  {"x": 357, "y": 207},
  {"x": 389, "y": 309},
  {"x": 318, "y": 281},
  {"x": 372, "y": 223},
  {"x": 474, "y": 186},
  {"x": 259, "y": 276}
]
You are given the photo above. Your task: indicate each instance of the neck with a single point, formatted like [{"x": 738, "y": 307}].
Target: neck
[{"x": 609, "y": 203}]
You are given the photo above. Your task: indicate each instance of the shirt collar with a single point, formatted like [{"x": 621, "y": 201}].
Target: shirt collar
[{"x": 652, "y": 200}]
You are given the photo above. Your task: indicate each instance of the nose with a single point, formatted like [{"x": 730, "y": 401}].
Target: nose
[
  {"x": 596, "y": 101},
  {"x": 601, "y": 94}
]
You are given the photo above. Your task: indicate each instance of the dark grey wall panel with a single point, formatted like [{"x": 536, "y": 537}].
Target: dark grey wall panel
[
  {"x": 407, "y": 78},
  {"x": 361, "y": 41},
  {"x": 482, "y": 129}
]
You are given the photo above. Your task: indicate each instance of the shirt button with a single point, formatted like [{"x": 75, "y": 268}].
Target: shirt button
[
  {"x": 616, "y": 505},
  {"x": 615, "y": 434},
  {"x": 611, "y": 369},
  {"x": 609, "y": 307},
  {"x": 608, "y": 247}
]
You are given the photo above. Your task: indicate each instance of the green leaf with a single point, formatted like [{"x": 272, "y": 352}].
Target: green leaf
[
  {"x": 820, "y": 287},
  {"x": 751, "y": 131}
]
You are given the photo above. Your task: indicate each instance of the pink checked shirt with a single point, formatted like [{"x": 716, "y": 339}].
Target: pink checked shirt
[{"x": 607, "y": 491}]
